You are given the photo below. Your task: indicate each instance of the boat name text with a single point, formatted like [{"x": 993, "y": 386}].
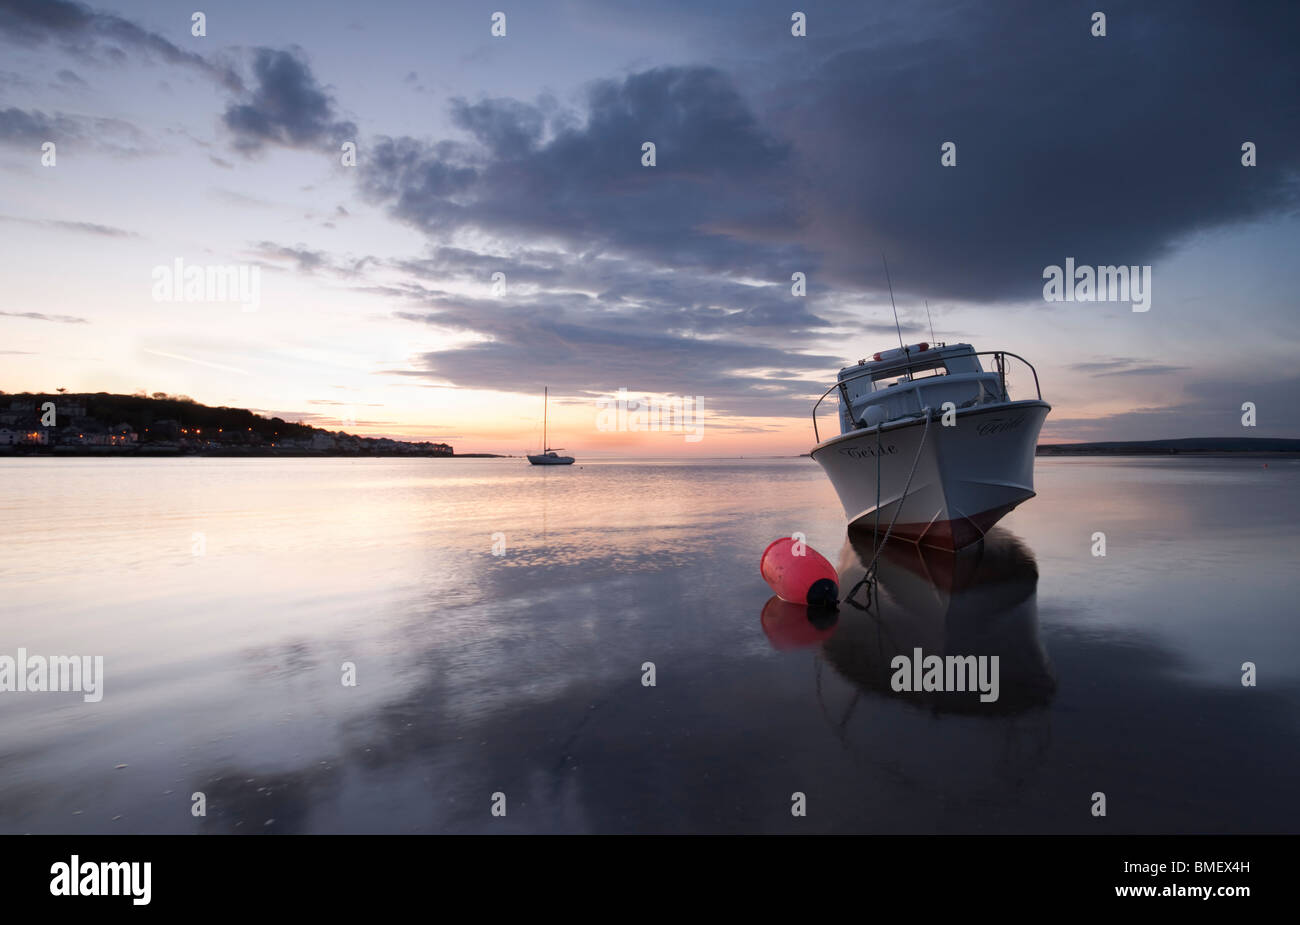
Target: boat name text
[
  {"x": 868, "y": 452},
  {"x": 999, "y": 426}
]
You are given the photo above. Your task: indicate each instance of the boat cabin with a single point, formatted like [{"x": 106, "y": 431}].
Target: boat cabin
[{"x": 901, "y": 382}]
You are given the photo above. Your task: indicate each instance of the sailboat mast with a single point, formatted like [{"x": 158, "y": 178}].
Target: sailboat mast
[{"x": 546, "y": 400}]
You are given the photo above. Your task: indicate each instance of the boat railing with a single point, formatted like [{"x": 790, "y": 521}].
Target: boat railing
[{"x": 999, "y": 367}]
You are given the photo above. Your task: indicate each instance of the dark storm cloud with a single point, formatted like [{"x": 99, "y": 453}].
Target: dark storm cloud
[
  {"x": 1109, "y": 150},
  {"x": 716, "y": 199},
  {"x": 286, "y": 106},
  {"x": 508, "y": 128},
  {"x": 84, "y": 31}
]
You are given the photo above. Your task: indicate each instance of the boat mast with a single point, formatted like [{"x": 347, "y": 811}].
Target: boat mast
[{"x": 545, "y": 401}]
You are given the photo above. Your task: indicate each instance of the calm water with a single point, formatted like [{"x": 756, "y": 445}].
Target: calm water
[{"x": 522, "y": 673}]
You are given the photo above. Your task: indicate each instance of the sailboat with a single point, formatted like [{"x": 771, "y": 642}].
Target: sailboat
[{"x": 548, "y": 456}]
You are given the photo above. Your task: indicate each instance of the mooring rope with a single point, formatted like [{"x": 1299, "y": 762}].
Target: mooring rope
[{"x": 869, "y": 578}]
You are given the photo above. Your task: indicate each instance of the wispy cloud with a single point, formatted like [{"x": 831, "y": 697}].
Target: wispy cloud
[
  {"x": 184, "y": 359},
  {"x": 309, "y": 261},
  {"x": 41, "y": 316},
  {"x": 70, "y": 78},
  {"x": 32, "y": 128},
  {"x": 107, "y": 231},
  {"x": 1123, "y": 366}
]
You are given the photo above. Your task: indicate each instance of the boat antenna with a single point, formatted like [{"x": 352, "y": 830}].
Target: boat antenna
[
  {"x": 895, "y": 307},
  {"x": 929, "y": 319}
]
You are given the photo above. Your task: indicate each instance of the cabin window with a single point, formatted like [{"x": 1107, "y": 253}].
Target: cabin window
[{"x": 888, "y": 380}]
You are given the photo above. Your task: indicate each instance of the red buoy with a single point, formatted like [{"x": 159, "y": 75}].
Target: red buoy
[{"x": 799, "y": 574}]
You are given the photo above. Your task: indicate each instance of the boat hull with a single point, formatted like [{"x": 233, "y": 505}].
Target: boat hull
[
  {"x": 543, "y": 460},
  {"x": 968, "y": 475}
]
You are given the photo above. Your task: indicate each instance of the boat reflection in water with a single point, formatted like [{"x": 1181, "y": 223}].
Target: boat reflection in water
[
  {"x": 935, "y": 761},
  {"x": 978, "y": 602},
  {"x": 981, "y": 602}
]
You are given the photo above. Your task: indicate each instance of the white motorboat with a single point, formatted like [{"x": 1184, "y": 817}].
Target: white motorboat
[
  {"x": 548, "y": 456},
  {"x": 932, "y": 448}
]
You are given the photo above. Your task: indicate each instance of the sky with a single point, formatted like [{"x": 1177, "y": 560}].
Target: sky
[{"x": 522, "y": 154}]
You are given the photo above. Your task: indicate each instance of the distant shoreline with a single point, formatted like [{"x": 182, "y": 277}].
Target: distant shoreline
[
  {"x": 1197, "y": 454},
  {"x": 1263, "y": 447},
  {"x": 147, "y": 452},
  {"x": 105, "y": 424}
]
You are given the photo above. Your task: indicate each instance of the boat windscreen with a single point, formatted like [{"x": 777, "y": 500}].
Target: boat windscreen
[{"x": 889, "y": 379}]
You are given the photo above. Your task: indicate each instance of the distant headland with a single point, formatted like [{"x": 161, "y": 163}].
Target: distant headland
[
  {"x": 104, "y": 424},
  {"x": 1194, "y": 446}
]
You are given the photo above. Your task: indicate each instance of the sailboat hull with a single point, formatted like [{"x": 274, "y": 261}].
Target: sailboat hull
[{"x": 548, "y": 456}]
